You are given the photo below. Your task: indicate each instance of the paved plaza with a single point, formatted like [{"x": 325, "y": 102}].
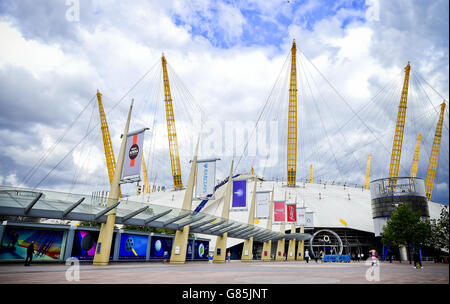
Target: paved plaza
[{"x": 236, "y": 272}]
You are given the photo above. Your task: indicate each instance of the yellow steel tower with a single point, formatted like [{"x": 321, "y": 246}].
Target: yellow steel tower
[
  {"x": 431, "y": 172},
  {"x": 292, "y": 122},
  {"x": 399, "y": 128},
  {"x": 109, "y": 152},
  {"x": 367, "y": 179},
  {"x": 144, "y": 173},
  {"x": 171, "y": 130},
  {"x": 415, "y": 164}
]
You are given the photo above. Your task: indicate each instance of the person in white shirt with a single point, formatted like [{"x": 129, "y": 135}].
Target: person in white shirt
[{"x": 307, "y": 256}]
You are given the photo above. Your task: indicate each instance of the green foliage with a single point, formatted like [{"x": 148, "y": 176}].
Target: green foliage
[
  {"x": 148, "y": 229},
  {"x": 440, "y": 232},
  {"x": 405, "y": 227},
  {"x": 151, "y": 229},
  {"x": 90, "y": 224}
]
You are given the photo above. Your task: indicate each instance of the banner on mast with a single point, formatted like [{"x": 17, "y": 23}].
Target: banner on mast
[
  {"x": 262, "y": 206},
  {"x": 239, "y": 195},
  {"x": 279, "y": 212},
  {"x": 133, "y": 157},
  {"x": 309, "y": 220},
  {"x": 206, "y": 176},
  {"x": 301, "y": 216},
  {"x": 291, "y": 213}
]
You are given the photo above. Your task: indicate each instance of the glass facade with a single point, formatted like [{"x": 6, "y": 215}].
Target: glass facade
[{"x": 388, "y": 193}]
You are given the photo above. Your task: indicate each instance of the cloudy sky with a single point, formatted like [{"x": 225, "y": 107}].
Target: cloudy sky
[{"x": 229, "y": 61}]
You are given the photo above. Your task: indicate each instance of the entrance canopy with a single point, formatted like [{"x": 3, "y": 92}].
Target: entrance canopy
[{"x": 68, "y": 206}]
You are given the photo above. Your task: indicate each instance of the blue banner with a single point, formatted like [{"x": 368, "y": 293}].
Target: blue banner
[{"x": 239, "y": 193}]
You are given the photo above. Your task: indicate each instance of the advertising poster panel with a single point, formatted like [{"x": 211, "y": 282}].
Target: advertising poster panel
[
  {"x": 159, "y": 245},
  {"x": 206, "y": 177},
  {"x": 85, "y": 243},
  {"x": 301, "y": 216},
  {"x": 309, "y": 220},
  {"x": 291, "y": 213},
  {"x": 262, "y": 205},
  {"x": 189, "y": 251},
  {"x": 201, "y": 250},
  {"x": 133, "y": 246},
  {"x": 47, "y": 244},
  {"x": 279, "y": 212},
  {"x": 239, "y": 194},
  {"x": 133, "y": 155}
]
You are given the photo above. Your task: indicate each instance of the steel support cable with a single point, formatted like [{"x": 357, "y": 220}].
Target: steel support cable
[
  {"x": 269, "y": 119},
  {"x": 317, "y": 154},
  {"x": 259, "y": 116},
  {"x": 444, "y": 98},
  {"x": 78, "y": 169},
  {"x": 36, "y": 166},
  {"x": 188, "y": 99},
  {"x": 270, "y": 109},
  {"x": 184, "y": 106},
  {"x": 355, "y": 113},
  {"x": 281, "y": 93},
  {"x": 323, "y": 100},
  {"x": 427, "y": 97},
  {"x": 152, "y": 149},
  {"x": 117, "y": 103},
  {"x": 321, "y": 120},
  {"x": 372, "y": 101},
  {"x": 390, "y": 91},
  {"x": 153, "y": 96},
  {"x": 271, "y": 101}
]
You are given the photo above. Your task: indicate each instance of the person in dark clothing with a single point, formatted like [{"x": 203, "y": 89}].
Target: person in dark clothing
[
  {"x": 30, "y": 251},
  {"x": 417, "y": 261}
]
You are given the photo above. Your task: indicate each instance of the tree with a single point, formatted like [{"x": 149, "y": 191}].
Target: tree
[
  {"x": 440, "y": 232},
  {"x": 406, "y": 228}
]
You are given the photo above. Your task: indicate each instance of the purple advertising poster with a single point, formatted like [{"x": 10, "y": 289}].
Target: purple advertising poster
[{"x": 239, "y": 193}]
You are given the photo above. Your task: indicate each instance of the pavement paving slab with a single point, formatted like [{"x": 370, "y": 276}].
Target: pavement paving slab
[{"x": 257, "y": 272}]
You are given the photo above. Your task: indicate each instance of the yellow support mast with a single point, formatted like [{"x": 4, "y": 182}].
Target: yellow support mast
[
  {"x": 432, "y": 166},
  {"x": 109, "y": 152},
  {"x": 415, "y": 164},
  {"x": 292, "y": 122},
  {"x": 399, "y": 129},
  {"x": 311, "y": 174},
  {"x": 171, "y": 130},
  {"x": 367, "y": 179},
  {"x": 144, "y": 173}
]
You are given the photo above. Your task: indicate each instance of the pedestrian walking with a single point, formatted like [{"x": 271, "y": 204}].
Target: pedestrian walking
[
  {"x": 229, "y": 256},
  {"x": 321, "y": 256},
  {"x": 307, "y": 256},
  {"x": 374, "y": 257},
  {"x": 417, "y": 262},
  {"x": 30, "y": 251}
]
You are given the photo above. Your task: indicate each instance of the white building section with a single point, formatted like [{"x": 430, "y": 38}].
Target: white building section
[{"x": 333, "y": 206}]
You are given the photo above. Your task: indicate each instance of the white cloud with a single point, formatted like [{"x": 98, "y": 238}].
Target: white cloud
[{"x": 113, "y": 45}]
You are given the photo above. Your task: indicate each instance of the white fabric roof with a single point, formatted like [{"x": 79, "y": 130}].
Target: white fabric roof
[{"x": 353, "y": 205}]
